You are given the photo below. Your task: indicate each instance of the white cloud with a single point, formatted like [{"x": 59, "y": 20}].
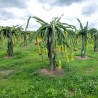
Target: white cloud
[{"x": 18, "y": 15}]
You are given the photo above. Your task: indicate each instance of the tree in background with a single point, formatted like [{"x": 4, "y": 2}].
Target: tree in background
[
  {"x": 83, "y": 31},
  {"x": 94, "y": 35},
  {"x": 9, "y": 32}
]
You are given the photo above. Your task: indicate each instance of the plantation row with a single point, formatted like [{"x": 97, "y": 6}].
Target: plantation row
[{"x": 50, "y": 38}]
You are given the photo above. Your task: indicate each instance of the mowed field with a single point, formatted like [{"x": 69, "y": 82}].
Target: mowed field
[{"x": 20, "y": 75}]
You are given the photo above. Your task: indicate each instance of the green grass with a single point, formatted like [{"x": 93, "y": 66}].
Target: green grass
[{"x": 25, "y": 81}]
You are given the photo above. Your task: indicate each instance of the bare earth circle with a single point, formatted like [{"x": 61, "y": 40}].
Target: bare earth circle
[
  {"x": 70, "y": 93},
  {"x": 89, "y": 70},
  {"x": 85, "y": 58},
  {"x": 7, "y": 57},
  {"x": 6, "y": 72},
  {"x": 26, "y": 46},
  {"x": 56, "y": 72}
]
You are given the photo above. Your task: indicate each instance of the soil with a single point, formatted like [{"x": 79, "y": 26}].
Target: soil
[
  {"x": 6, "y": 72},
  {"x": 4, "y": 79},
  {"x": 56, "y": 72},
  {"x": 70, "y": 93},
  {"x": 26, "y": 46},
  {"x": 89, "y": 70},
  {"x": 7, "y": 57},
  {"x": 85, "y": 58}
]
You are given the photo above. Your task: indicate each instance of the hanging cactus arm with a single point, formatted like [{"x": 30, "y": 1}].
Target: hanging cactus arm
[
  {"x": 87, "y": 24},
  {"x": 53, "y": 28},
  {"x": 60, "y": 25},
  {"x": 68, "y": 26},
  {"x": 38, "y": 31},
  {"x": 28, "y": 23},
  {"x": 62, "y": 33},
  {"x": 86, "y": 27},
  {"x": 46, "y": 33},
  {"x": 65, "y": 24},
  {"x": 34, "y": 34},
  {"x": 40, "y": 20},
  {"x": 58, "y": 19},
  {"x": 80, "y": 24},
  {"x": 76, "y": 31}
]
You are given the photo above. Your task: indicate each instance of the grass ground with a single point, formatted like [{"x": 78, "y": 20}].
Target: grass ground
[{"x": 20, "y": 77}]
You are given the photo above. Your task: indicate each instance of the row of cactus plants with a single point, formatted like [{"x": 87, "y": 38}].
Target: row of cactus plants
[{"x": 54, "y": 36}]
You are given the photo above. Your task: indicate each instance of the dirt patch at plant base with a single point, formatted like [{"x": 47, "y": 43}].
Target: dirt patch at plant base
[
  {"x": 56, "y": 72},
  {"x": 7, "y": 57},
  {"x": 6, "y": 72},
  {"x": 3, "y": 79},
  {"x": 26, "y": 46},
  {"x": 85, "y": 58},
  {"x": 89, "y": 70},
  {"x": 70, "y": 93}
]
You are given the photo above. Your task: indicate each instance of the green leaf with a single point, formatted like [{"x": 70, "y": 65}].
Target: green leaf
[
  {"x": 27, "y": 23},
  {"x": 80, "y": 24},
  {"x": 40, "y": 22},
  {"x": 62, "y": 33},
  {"x": 68, "y": 26},
  {"x": 54, "y": 34},
  {"x": 38, "y": 19},
  {"x": 46, "y": 33}
]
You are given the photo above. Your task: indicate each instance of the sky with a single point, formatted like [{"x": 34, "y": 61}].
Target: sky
[{"x": 16, "y": 12}]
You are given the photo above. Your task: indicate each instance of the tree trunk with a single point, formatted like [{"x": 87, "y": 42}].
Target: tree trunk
[
  {"x": 29, "y": 38},
  {"x": 51, "y": 54},
  {"x": 25, "y": 43},
  {"x": 83, "y": 45},
  {"x": 10, "y": 47},
  {"x": 96, "y": 43}
]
